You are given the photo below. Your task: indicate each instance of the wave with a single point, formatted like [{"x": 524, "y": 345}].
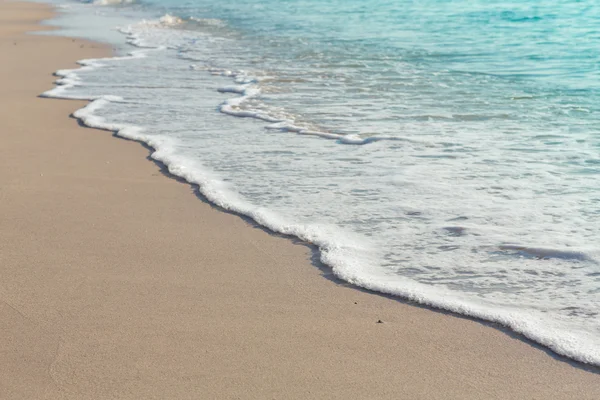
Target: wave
[
  {"x": 133, "y": 33},
  {"x": 245, "y": 86},
  {"x": 166, "y": 21},
  {"x": 348, "y": 258},
  {"x": 248, "y": 90}
]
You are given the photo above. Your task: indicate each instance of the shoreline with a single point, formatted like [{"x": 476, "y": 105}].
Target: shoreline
[
  {"x": 336, "y": 347},
  {"x": 433, "y": 300}
]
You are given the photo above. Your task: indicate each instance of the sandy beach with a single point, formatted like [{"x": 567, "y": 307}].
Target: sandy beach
[{"x": 118, "y": 282}]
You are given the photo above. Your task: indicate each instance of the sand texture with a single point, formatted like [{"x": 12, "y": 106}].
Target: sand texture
[{"x": 118, "y": 282}]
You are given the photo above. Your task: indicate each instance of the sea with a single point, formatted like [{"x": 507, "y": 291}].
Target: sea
[{"x": 443, "y": 151}]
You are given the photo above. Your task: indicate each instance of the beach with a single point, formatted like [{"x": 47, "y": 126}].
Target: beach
[{"x": 119, "y": 282}]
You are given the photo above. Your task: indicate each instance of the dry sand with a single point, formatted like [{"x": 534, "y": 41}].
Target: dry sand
[{"x": 119, "y": 283}]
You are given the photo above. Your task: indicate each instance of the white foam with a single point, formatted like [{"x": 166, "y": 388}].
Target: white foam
[
  {"x": 69, "y": 78},
  {"x": 169, "y": 20},
  {"x": 249, "y": 91},
  {"x": 135, "y": 31}
]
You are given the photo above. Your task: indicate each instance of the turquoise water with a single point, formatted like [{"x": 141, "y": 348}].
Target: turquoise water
[{"x": 443, "y": 151}]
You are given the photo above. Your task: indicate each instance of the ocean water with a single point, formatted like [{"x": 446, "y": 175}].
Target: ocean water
[{"x": 444, "y": 151}]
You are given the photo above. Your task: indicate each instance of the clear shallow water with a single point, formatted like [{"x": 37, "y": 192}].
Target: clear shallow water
[{"x": 445, "y": 151}]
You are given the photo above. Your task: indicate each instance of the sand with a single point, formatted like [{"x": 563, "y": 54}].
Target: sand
[{"x": 118, "y": 282}]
